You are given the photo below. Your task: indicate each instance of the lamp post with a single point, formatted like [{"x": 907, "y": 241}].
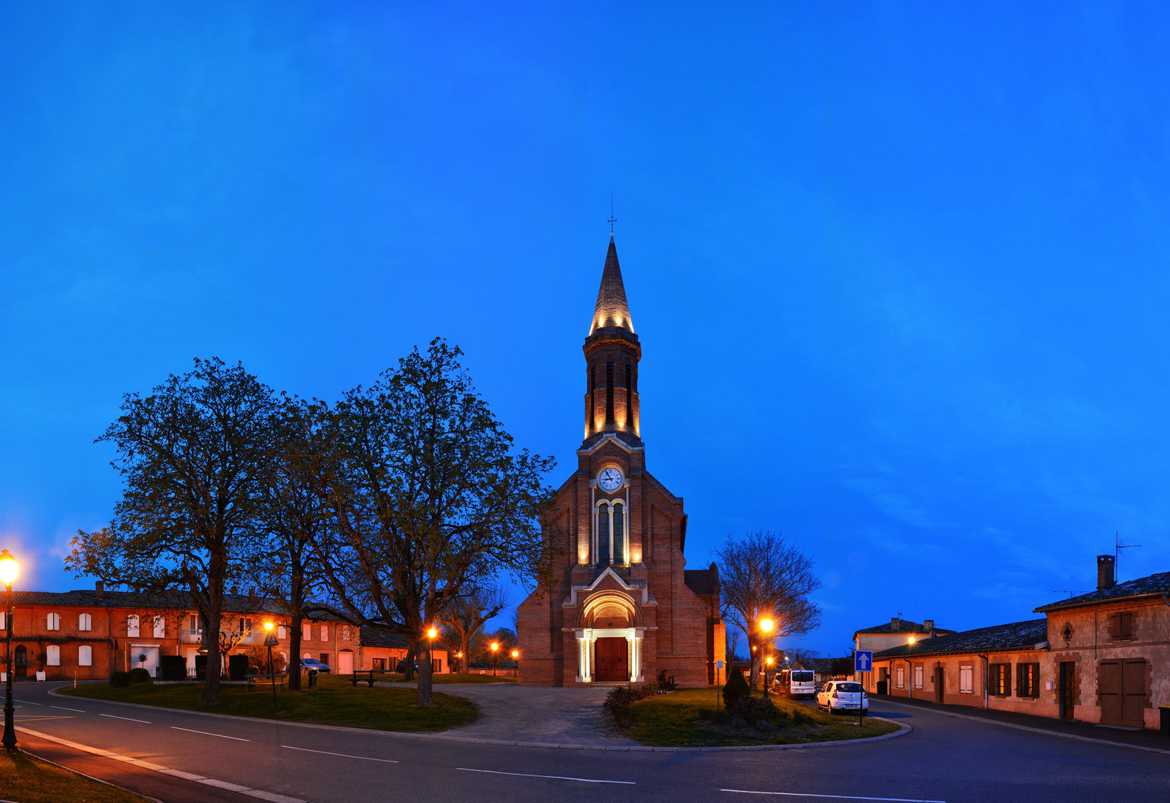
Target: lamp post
[
  {"x": 766, "y": 626},
  {"x": 516, "y": 658},
  {"x": 459, "y": 657},
  {"x": 432, "y": 633},
  {"x": 271, "y": 641},
  {"x": 8, "y": 572},
  {"x": 495, "y": 648}
]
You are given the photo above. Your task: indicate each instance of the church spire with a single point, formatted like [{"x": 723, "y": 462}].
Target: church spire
[{"x": 611, "y": 307}]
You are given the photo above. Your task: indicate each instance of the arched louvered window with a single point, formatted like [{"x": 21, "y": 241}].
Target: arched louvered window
[{"x": 618, "y": 533}]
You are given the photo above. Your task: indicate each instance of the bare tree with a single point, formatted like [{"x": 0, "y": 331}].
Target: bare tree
[
  {"x": 428, "y": 496},
  {"x": 191, "y": 455},
  {"x": 468, "y": 614},
  {"x": 762, "y": 575}
]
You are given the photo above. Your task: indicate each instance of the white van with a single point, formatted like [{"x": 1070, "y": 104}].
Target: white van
[{"x": 802, "y": 683}]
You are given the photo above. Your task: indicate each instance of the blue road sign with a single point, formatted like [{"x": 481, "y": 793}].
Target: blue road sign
[{"x": 862, "y": 660}]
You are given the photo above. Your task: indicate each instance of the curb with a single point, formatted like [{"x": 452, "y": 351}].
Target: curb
[
  {"x": 903, "y": 730},
  {"x": 1031, "y": 729}
]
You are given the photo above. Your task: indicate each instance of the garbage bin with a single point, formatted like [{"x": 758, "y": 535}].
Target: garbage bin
[
  {"x": 312, "y": 678},
  {"x": 1165, "y": 720}
]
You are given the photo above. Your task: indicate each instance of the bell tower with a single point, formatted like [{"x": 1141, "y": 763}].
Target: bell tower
[{"x": 612, "y": 352}]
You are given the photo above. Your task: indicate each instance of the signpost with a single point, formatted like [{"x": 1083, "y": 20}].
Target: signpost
[
  {"x": 718, "y": 688},
  {"x": 862, "y": 662}
]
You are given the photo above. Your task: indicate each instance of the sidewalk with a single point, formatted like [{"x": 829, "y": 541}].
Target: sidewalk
[{"x": 1146, "y": 739}]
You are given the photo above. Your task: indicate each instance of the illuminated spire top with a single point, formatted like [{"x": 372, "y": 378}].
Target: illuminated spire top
[{"x": 611, "y": 308}]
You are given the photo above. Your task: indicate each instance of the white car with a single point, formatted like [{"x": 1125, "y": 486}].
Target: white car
[{"x": 842, "y": 695}]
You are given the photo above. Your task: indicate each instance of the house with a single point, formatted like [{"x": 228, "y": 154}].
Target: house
[
  {"x": 1100, "y": 657},
  {"x": 383, "y": 650},
  {"x": 894, "y": 632},
  {"x": 618, "y": 604}
]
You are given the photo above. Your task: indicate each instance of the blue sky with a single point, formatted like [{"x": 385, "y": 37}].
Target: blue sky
[{"x": 900, "y": 273}]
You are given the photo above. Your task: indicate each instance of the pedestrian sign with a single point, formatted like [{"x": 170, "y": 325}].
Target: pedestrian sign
[{"x": 862, "y": 660}]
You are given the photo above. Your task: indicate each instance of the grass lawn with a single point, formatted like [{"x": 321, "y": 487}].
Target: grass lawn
[
  {"x": 468, "y": 677},
  {"x": 333, "y": 702},
  {"x": 27, "y": 780},
  {"x": 676, "y": 720}
]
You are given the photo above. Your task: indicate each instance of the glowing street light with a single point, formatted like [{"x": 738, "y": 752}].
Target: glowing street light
[
  {"x": 495, "y": 648},
  {"x": 767, "y": 625},
  {"x": 9, "y": 571},
  {"x": 515, "y": 655},
  {"x": 911, "y": 640},
  {"x": 271, "y": 641}
]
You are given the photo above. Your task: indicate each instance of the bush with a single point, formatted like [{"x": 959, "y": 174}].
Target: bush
[
  {"x": 140, "y": 675},
  {"x": 735, "y": 690},
  {"x": 755, "y": 710},
  {"x": 173, "y": 667},
  {"x": 618, "y": 702},
  {"x": 666, "y": 682},
  {"x": 120, "y": 679}
]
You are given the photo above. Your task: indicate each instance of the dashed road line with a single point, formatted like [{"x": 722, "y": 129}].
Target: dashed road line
[
  {"x": 28, "y": 702},
  {"x": 830, "y": 797},
  {"x": 126, "y": 719},
  {"x": 67, "y": 708},
  {"x": 339, "y": 755},
  {"x": 209, "y": 733},
  {"x": 261, "y": 794},
  {"x": 546, "y": 777}
]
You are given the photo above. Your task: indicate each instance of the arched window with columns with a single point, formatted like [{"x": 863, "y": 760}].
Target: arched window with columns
[{"x": 610, "y": 533}]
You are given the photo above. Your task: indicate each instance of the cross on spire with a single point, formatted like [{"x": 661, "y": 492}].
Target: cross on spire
[{"x": 612, "y": 219}]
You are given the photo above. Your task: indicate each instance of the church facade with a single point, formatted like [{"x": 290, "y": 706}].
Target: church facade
[{"x": 618, "y": 604}]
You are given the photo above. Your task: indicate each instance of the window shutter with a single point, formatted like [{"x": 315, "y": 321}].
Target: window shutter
[
  {"x": 1125, "y": 626},
  {"x": 1114, "y": 626}
]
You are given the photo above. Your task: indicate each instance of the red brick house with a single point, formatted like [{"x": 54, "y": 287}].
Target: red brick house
[{"x": 618, "y": 605}]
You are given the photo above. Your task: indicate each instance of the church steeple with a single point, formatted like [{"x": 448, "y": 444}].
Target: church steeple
[
  {"x": 611, "y": 307},
  {"x": 612, "y": 352}
]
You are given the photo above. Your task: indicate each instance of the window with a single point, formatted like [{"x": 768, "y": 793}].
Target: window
[
  {"x": 281, "y": 632},
  {"x": 900, "y": 677},
  {"x": 438, "y": 665},
  {"x": 3, "y": 620},
  {"x": 194, "y": 626},
  {"x": 619, "y": 529},
  {"x": 53, "y": 621},
  {"x": 160, "y": 627},
  {"x": 53, "y": 655},
  {"x": 306, "y": 631},
  {"x": 1028, "y": 680},
  {"x": 85, "y": 655},
  {"x": 609, "y": 533},
  {"x": 245, "y": 625},
  {"x": 132, "y": 625},
  {"x": 324, "y": 632},
  {"x": 966, "y": 679},
  {"x": 918, "y": 676},
  {"x": 999, "y": 680},
  {"x": 1121, "y": 627},
  {"x": 84, "y": 622}
]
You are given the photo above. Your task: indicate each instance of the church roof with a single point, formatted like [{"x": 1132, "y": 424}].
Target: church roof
[{"x": 611, "y": 308}]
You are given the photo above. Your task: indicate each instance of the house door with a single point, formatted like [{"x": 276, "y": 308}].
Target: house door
[
  {"x": 345, "y": 662},
  {"x": 1122, "y": 688},
  {"x": 1068, "y": 689},
  {"x": 612, "y": 658},
  {"x": 938, "y": 684},
  {"x": 20, "y": 655}
]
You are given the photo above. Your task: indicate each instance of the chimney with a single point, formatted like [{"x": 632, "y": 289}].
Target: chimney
[
  {"x": 100, "y": 588},
  {"x": 928, "y": 625},
  {"x": 1106, "y": 568},
  {"x": 895, "y": 622}
]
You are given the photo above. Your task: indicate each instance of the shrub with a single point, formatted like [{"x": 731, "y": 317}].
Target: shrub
[
  {"x": 140, "y": 675},
  {"x": 735, "y": 690},
  {"x": 173, "y": 667},
  {"x": 755, "y": 710},
  {"x": 120, "y": 679},
  {"x": 666, "y": 682},
  {"x": 618, "y": 702}
]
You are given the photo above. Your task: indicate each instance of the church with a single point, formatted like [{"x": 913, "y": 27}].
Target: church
[{"x": 618, "y": 604}]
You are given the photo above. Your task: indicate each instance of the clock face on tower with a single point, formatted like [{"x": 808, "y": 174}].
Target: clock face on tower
[{"x": 610, "y": 479}]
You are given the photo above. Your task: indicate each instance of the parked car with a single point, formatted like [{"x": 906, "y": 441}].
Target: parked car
[
  {"x": 842, "y": 695},
  {"x": 313, "y": 665},
  {"x": 802, "y": 683}
]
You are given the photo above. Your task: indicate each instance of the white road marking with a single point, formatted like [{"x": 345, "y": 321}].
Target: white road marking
[
  {"x": 340, "y": 755},
  {"x": 43, "y": 717},
  {"x": 830, "y": 797},
  {"x": 548, "y": 777},
  {"x": 272, "y": 797},
  {"x": 127, "y": 719},
  {"x": 28, "y": 702},
  {"x": 67, "y": 708},
  {"x": 209, "y": 733}
]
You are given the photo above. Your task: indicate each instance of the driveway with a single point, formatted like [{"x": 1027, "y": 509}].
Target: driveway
[{"x": 537, "y": 714}]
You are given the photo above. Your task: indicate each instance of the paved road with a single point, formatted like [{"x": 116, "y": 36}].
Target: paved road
[{"x": 944, "y": 759}]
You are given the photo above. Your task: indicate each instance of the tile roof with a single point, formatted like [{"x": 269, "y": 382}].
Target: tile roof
[
  {"x": 92, "y": 598},
  {"x": 1012, "y": 636},
  {"x": 1153, "y": 585},
  {"x": 903, "y": 626},
  {"x": 373, "y": 636}
]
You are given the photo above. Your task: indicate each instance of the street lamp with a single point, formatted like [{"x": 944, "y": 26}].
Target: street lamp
[
  {"x": 495, "y": 648},
  {"x": 271, "y": 641},
  {"x": 8, "y": 573},
  {"x": 459, "y": 657},
  {"x": 766, "y": 626},
  {"x": 432, "y": 633}
]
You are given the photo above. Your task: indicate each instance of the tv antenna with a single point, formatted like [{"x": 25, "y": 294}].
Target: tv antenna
[{"x": 1117, "y": 547}]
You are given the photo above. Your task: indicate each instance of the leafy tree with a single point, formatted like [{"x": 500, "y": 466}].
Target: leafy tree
[
  {"x": 191, "y": 454},
  {"x": 468, "y": 614},
  {"x": 760, "y": 574},
  {"x": 428, "y": 495},
  {"x": 293, "y": 515}
]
